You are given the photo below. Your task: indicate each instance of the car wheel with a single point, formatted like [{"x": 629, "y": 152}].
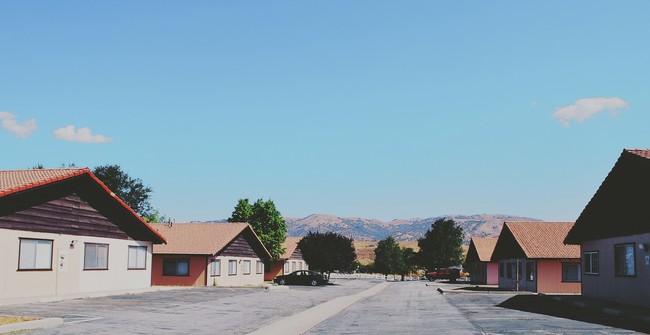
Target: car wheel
[
  {"x": 281, "y": 282},
  {"x": 314, "y": 282}
]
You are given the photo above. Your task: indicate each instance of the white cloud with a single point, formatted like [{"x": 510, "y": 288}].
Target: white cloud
[
  {"x": 85, "y": 135},
  {"x": 21, "y": 130},
  {"x": 586, "y": 108}
]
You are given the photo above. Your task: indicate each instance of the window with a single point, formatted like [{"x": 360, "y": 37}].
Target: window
[
  {"x": 530, "y": 271},
  {"x": 286, "y": 267},
  {"x": 259, "y": 267},
  {"x": 232, "y": 267},
  {"x": 299, "y": 265},
  {"x": 96, "y": 256},
  {"x": 215, "y": 267},
  {"x": 247, "y": 267},
  {"x": 293, "y": 266},
  {"x": 176, "y": 267},
  {"x": 509, "y": 270},
  {"x": 501, "y": 270},
  {"x": 591, "y": 263},
  {"x": 570, "y": 272},
  {"x": 137, "y": 257},
  {"x": 624, "y": 260},
  {"x": 35, "y": 254}
]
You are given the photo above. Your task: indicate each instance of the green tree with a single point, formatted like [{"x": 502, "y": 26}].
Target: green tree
[
  {"x": 327, "y": 252},
  {"x": 130, "y": 190},
  {"x": 243, "y": 211},
  {"x": 408, "y": 262},
  {"x": 388, "y": 257},
  {"x": 441, "y": 245},
  {"x": 266, "y": 221}
]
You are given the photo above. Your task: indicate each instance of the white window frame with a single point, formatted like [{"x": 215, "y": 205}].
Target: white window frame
[
  {"x": 286, "y": 267},
  {"x": 137, "y": 257},
  {"x": 592, "y": 264},
  {"x": 215, "y": 267},
  {"x": 92, "y": 261},
  {"x": 259, "y": 267},
  {"x": 246, "y": 267},
  {"x": 232, "y": 267},
  {"x": 35, "y": 254}
]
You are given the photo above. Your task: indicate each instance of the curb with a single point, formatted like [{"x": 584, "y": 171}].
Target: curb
[{"x": 30, "y": 325}]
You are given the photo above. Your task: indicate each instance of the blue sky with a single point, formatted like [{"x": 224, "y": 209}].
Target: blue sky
[{"x": 377, "y": 109}]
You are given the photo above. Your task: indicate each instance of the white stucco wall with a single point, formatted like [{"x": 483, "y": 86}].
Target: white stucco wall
[
  {"x": 67, "y": 275},
  {"x": 240, "y": 279}
]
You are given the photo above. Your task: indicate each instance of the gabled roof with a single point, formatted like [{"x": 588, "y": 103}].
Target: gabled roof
[
  {"x": 290, "y": 244},
  {"x": 620, "y": 205},
  {"x": 481, "y": 249},
  {"x": 21, "y": 189},
  {"x": 202, "y": 238},
  {"x": 535, "y": 240}
]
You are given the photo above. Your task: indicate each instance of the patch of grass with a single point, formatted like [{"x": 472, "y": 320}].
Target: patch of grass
[{"x": 6, "y": 319}]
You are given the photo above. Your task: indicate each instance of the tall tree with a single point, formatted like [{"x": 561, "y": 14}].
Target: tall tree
[
  {"x": 327, "y": 252},
  {"x": 243, "y": 211},
  {"x": 131, "y": 190},
  {"x": 441, "y": 245},
  {"x": 388, "y": 257},
  {"x": 408, "y": 262},
  {"x": 266, "y": 221}
]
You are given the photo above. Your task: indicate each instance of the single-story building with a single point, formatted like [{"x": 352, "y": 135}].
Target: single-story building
[
  {"x": 208, "y": 254},
  {"x": 289, "y": 262},
  {"x": 613, "y": 232},
  {"x": 478, "y": 261},
  {"x": 532, "y": 257},
  {"x": 62, "y": 231}
]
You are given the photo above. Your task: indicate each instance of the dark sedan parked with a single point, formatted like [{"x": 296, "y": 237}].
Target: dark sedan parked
[{"x": 302, "y": 277}]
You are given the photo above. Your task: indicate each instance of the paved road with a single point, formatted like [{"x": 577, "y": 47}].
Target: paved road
[
  {"x": 418, "y": 308},
  {"x": 393, "y": 308},
  {"x": 205, "y": 310}
]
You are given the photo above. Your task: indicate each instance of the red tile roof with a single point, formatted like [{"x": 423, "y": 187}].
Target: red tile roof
[
  {"x": 15, "y": 181},
  {"x": 199, "y": 238},
  {"x": 290, "y": 244},
  {"x": 484, "y": 247},
  {"x": 645, "y": 153},
  {"x": 12, "y": 181},
  {"x": 537, "y": 240}
]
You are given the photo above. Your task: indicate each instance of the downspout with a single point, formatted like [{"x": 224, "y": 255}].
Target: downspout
[{"x": 517, "y": 275}]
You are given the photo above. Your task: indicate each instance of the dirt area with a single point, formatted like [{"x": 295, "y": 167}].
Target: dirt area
[
  {"x": 366, "y": 249},
  {"x": 5, "y": 319}
]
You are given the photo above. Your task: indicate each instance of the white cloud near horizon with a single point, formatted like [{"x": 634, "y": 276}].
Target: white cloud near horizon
[
  {"x": 84, "y": 135},
  {"x": 21, "y": 130},
  {"x": 586, "y": 108}
]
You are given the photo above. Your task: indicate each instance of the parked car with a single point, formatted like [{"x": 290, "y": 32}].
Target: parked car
[
  {"x": 302, "y": 277},
  {"x": 443, "y": 273}
]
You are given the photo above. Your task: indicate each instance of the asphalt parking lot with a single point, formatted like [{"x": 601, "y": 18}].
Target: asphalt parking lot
[{"x": 397, "y": 307}]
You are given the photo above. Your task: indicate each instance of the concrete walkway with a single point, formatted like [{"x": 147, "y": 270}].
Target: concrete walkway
[{"x": 301, "y": 322}]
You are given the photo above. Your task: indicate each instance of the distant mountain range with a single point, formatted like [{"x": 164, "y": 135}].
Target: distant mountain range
[{"x": 360, "y": 229}]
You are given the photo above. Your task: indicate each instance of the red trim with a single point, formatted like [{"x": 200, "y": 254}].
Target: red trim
[
  {"x": 125, "y": 205},
  {"x": 76, "y": 173}
]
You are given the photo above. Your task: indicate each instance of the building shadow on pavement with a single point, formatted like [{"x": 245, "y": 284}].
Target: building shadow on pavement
[{"x": 541, "y": 304}]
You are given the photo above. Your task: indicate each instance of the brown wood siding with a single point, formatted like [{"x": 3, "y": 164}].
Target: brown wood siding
[
  {"x": 297, "y": 254},
  {"x": 67, "y": 215},
  {"x": 243, "y": 246}
]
